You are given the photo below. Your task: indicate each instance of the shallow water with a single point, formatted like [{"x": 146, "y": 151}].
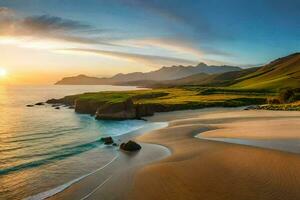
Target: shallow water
[{"x": 42, "y": 148}]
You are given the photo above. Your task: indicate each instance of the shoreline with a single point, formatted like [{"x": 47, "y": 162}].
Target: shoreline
[
  {"x": 204, "y": 169},
  {"x": 104, "y": 173},
  {"x": 180, "y": 138}
]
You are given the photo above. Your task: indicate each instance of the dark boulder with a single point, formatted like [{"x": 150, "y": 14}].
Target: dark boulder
[
  {"x": 29, "y": 105},
  {"x": 39, "y": 104},
  {"x": 130, "y": 146},
  {"x": 53, "y": 101},
  {"x": 107, "y": 140},
  {"x": 57, "y": 108},
  {"x": 116, "y": 111}
]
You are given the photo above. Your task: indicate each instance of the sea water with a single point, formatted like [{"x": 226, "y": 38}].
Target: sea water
[{"x": 42, "y": 148}]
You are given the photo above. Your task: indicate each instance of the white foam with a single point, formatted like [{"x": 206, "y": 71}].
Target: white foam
[
  {"x": 49, "y": 193},
  {"x": 94, "y": 190}
]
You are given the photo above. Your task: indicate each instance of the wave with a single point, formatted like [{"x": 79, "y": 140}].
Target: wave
[
  {"x": 54, "y": 156},
  {"x": 67, "y": 152},
  {"x": 15, "y": 148},
  {"x": 48, "y": 132},
  {"x": 49, "y": 193},
  {"x": 61, "y": 132}
]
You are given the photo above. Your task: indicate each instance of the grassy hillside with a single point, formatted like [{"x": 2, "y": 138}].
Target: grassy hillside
[
  {"x": 172, "y": 98},
  {"x": 202, "y": 79},
  {"x": 281, "y": 73}
]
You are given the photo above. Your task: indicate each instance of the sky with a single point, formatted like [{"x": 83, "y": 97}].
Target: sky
[{"x": 42, "y": 41}]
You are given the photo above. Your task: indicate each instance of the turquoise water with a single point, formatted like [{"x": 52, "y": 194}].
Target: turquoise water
[{"x": 42, "y": 148}]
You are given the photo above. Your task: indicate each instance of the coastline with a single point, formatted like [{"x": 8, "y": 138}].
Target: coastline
[
  {"x": 173, "y": 176},
  {"x": 205, "y": 169},
  {"x": 85, "y": 186}
]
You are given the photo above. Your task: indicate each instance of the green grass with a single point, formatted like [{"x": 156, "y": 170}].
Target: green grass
[
  {"x": 175, "y": 98},
  {"x": 115, "y": 97},
  {"x": 283, "y": 73},
  {"x": 269, "y": 84}
]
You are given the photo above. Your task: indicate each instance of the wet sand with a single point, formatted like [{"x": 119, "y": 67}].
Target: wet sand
[
  {"x": 114, "y": 180},
  {"x": 202, "y": 168}
]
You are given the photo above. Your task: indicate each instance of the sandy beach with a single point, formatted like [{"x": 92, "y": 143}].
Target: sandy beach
[{"x": 204, "y": 165}]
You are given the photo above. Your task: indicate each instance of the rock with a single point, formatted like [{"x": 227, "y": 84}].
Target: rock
[
  {"x": 57, "y": 108},
  {"x": 53, "y": 101},
  {"x": 67, "y": 101},
  {"x": 39, "y": 104},
  {"x": 143, "y": 110},
  {"x": 83, "y": 106},
  {"x": 29, "y": 105},
  {"x": 116, "y": 111},
  {"x": 115, "y": 144},
  {"x": 107, "y": 140},
  {"x": 130, "y": 146}
]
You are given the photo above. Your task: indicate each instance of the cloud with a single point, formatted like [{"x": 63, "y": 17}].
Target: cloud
[
  {"x": 177, "y": 45},
  {"x": 49, "y": 27},
  {"x": 46, "y": 23},
  {"x": 4, "y": 11},
  {"x": 170, "y": 44},
  {"x": 135, "y": 57}
]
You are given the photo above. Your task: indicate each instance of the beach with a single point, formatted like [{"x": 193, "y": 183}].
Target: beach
[{"x": 211, "y": 158}]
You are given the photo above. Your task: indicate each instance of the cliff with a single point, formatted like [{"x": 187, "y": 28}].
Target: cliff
[{"x": 137, "y": 104}]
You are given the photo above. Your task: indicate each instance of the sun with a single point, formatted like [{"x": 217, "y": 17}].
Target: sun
[{"x": 3, "y": 72}]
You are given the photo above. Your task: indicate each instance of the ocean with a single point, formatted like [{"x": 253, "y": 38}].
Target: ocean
[{"x": 43, "y": 149}]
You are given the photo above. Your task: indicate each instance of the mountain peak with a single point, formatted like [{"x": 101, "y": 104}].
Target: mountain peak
[
  {"x": 202, "y": 64},
  {"x": 82, "y": 76},
  {"x": 162, "y": 74}
]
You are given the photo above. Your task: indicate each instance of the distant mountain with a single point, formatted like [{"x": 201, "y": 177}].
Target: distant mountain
[
  {"x": 174, "y": 72},
  {"x": 163, "y": 74},
  {"x": 280, "y": 73},
  {"x": 82, "y": 80},
  {"x": 222, "y": 79}
]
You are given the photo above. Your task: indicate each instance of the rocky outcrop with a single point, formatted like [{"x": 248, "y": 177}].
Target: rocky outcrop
[
  {"x": 109, "y": 110},
  {"x": 68, "y": 101},
  {"x": 130, "y": 146},
  {"x": 87, "y": 107},
  {"x": 54, "y": 101},
  {"x": 116, "y": 111},
  {"x": 107, "y": 140},
  {"x": 143, "y": 110}
]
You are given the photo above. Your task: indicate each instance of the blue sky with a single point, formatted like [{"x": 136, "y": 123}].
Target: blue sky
[{"x": 142, "y": 35}]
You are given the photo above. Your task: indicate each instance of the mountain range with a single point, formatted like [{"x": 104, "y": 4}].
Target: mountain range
[
  {"x": 162, "y": 74},
  {"x": 282, "y": 72}
]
